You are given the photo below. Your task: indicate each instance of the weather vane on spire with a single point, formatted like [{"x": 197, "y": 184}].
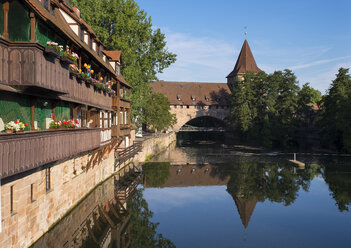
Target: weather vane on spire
[{"x": 245, "y": 28}]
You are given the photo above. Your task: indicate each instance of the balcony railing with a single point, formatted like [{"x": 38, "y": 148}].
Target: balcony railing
[
  {"x": 27, "y": 67},
  {"x": 25, "y": 151}
]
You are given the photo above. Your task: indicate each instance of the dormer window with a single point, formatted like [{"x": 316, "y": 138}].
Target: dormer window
[
  {"x": 117, "y": 69},
  {"x": 193, "y": 98},
  {"x": 179, "y": 98},
  {"x": 207, "y": 99}
]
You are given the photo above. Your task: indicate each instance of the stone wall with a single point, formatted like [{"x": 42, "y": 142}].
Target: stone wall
[
  {"x": 154, "y": 145},
  {"x": 35, "y": 209}
]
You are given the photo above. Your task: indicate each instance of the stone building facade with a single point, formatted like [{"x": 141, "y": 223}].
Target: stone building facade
[{"x": 57, "y": 79}]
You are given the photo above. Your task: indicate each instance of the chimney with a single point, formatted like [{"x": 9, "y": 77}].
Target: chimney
[{"x": 77, "y": 11}]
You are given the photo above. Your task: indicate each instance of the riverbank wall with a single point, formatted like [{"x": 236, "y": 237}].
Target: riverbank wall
[{"x": 32, "y": 203}]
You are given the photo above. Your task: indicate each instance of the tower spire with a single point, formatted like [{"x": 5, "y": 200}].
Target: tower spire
[{"x": 245, "y": 62}]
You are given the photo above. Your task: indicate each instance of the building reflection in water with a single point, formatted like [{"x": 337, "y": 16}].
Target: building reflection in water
[
  {"x": 247, "y": 182},
  {"x": 102, "y": 219}
]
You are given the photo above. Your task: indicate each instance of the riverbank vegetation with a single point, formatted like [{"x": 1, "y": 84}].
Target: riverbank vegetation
[{"x": 273, "y": 110}]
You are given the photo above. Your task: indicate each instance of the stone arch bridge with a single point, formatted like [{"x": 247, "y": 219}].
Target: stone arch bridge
[{"x": 190, "y": 100}]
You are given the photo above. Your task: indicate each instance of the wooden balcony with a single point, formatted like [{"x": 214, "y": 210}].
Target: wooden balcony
[
  {"x": 25, "y": 151},
  {"x": 26, "y": 67}
]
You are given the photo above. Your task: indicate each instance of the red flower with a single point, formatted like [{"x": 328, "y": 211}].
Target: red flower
[
  {"x": 16, "y": 122},
  {"x": 76, "y": 122},
  {"x": 26, "y": 124}
]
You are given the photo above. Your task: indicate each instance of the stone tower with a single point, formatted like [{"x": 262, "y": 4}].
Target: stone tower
[{"x": 245, "y": 62}]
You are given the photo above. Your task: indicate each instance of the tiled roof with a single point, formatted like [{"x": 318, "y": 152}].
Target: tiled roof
[
  {"x": 114, "y": 55},
  {"x": 246, "y": 62},
  {"x": 189, "y": 93},
  {"x": 57, "y": 20}
]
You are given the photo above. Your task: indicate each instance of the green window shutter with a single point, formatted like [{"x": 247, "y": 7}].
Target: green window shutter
[
  {"x": 44, "y": 34},
  {"x": 42, "y": 113},
  {"x": 63, "y": 111},
  {"x": 19, "y": 22},
  {"x": 13, "y": 107}
]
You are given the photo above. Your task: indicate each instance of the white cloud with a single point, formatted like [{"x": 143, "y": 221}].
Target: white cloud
[
  {"x": 318, "y": 62},
  {"x": 199, "y": 58}
]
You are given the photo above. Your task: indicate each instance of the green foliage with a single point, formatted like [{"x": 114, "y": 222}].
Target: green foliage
[
  {"x": 307, "y": 97},
  {"x": 335, "y": 115},
  {"x": 262, "y": 181},
  {"x": 143, "y": 231},
  {"x": 261, "y": 103},
  {"x": 157, "y": 112},
  {"x": 156, "y": 174},
  {"x": 122, "y": 25}
]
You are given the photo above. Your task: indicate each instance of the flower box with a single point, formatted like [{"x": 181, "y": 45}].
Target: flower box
[
  {"x": 66, "y": 60},
  {"x": 74, "y": 73},
  {"x": 51, "y": 51},
  {"x": 8, "y": 131}
]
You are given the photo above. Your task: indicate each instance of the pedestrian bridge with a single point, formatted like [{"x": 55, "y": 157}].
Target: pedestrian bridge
[{"x": 190, "y": 100}]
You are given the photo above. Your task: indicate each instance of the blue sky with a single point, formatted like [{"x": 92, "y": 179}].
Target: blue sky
[{"x": 310, "y": 37}]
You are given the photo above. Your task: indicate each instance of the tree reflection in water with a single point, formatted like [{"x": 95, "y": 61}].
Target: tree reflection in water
[
  {"x": 143, "y": 231},
  {"x": 338, "y": 178}
]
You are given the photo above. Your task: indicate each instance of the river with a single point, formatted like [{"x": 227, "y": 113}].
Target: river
[{"x": 215, "y": 196}]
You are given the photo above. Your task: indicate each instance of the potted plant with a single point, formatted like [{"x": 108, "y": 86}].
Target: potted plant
[
  {"x": 69, "y": 57},
  {"x": 15, "y": 126},
  {"x": 73, "y": 70},
  {"x": 55, "y": 124},
  {"x": 52, "y": 48}
]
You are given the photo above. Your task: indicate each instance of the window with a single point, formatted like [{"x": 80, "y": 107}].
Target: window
[
  {"x": 187, "y": 106},
  {"x": 121, "y": 117},
  {"x": 18, "y": 22},
  {"x": 179, "y": 98},
  {"x": 193, "y": 98},
  {"x": 117, "y": 68},
  {"x": 81, "y": 34},
  {"x": 48, "y": 179},
  {"x": 32, "y": 192},
  {"x": 181, "y": 106},
  {"x": 12, "y": 204},
  {"x": 207, "y": 99},
  {"x": 46, "y": 4},
  {"x": 175, "y": 106}
]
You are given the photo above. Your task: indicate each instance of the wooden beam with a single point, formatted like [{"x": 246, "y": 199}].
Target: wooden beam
[
  {"x": 106, "y": 217},
  {"x": 91, "y": 233},
  {"x": 32, "y": 26},
  {"x": 32, "y": 112},
  {"x": 97, "y": 155},
  {"x": 96, "y": 221},
  {"x": 6, "y": 8},
  {"x": 114, "y": 212},
  {"x": 92, "y": 158}
]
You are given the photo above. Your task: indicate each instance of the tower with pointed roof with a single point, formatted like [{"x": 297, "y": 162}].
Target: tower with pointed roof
[{"x": 245, "y": 62}]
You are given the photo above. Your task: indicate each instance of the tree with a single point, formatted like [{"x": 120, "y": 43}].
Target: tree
[
  {"x": 122, "y": 25},
  {"x": 157, "y": 113},
  {"x": 261, "y": 103},
  {"x": 307, "y": 97},
  {"x": 335, "y": 116}
]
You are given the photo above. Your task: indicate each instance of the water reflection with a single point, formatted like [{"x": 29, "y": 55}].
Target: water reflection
[{"x": 114, "y": 215}]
